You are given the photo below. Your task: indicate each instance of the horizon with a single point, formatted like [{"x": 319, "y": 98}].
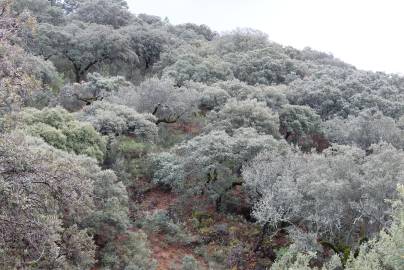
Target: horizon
[{"x": 348, "y": 32}]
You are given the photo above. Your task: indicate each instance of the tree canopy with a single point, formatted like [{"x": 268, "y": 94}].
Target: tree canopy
[{"x": 128, "y": 142}]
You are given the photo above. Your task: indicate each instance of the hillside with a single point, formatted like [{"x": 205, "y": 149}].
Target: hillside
[{"x": 130, "y": 143}]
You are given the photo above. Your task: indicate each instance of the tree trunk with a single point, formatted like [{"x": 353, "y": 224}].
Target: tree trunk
[{"x": 77, "y": 75}]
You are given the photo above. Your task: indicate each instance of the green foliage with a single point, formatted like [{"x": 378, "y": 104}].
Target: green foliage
[
  {"x": 59, "y": 128},
  {"x": 129, "y": 158},
  {"x": 299, "y": 125},
  {"x": 245, "y": 114},
  {"x": 24, "y": 79},
  {"x": 131, "y": 252},
  {"x": 43, "y": 11},
  {"x": 264, "y": 66},
  {"x": 240, "y": 40},
  {"x": 83, "y": 45},
  {"x": 348, "y": 93},
  {"x": 299, "y": 120},
  {"x": 210, "y": 163},
  {"x": 211, "y": 97},
  {"x": 111, "y": 12},
  {"x": 160, "y": 222},
  {"x": 56, "y": 193},
  {"x": 194, "y": 68}
]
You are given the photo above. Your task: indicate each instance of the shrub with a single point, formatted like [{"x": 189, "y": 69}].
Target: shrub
[{"x": 58, "y": 128}]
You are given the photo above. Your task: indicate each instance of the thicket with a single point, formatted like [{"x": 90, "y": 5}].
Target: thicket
[{"x": 264, "y": 155}]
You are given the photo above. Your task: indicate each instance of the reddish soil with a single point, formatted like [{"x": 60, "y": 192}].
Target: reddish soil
[
  {"x": 157, "y": 199},
  {"x": 168, "y": 255}
]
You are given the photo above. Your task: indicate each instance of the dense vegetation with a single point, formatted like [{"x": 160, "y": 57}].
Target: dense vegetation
[{"x": 127, "y": 142}]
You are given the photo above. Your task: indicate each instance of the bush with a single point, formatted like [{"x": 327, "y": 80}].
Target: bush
[
  {"x": 59, "y": 128},
  {"x": 131, "y": 251},
  {"x": 160, "y": 222},
  {"x": 189, "y": 263}
]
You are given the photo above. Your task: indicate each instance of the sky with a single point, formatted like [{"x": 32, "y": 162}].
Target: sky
[{"x": 365, "y": 33}]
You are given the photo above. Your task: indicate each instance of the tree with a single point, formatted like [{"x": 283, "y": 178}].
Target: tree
[
  {"x": 83, "y": 45},
  {"x": 264, "y": 66},
  {"x": 273, "y": 96},
  {"x": 210, "y": 163},
  {"x": 237, "y": 89},
  {"x": 24, "y": 78},
  {"x": 190, "y": 31},
  {"x": 9, "y": 24},
  {"x": 368, "y": 128},
  {"x": 301, "y": 125},
  {"x": 38, "y": 222},
  {"x": 148, "y": 42},
  {"x": 341, "y": 92},
  {"x": 339, "y": 194},
  {"x": 240, "y": 40},
  {"x": 112, "y": 12},
  {"x": 382, "y": 252},
  {"x": 192, "y": 67},
  {"x": 210, "y": 97},
  {"x": 68, "y": 6},
  {"x": 43, "y": 10},
  {"x": 161, "y": 99},
  {"x": 114, "y": 119},
  {"x": 247, "y": 113},
  {"x": 74, "y": 97},
  {"x": 63, "y": 198},
  {"x": 189, "y": 263}
]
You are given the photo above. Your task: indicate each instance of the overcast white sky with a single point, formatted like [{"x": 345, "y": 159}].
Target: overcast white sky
[{"x": 365, "y": 33}]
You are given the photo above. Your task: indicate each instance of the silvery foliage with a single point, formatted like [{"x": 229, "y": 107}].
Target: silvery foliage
[
  {"x": 342, "y": 92},
  {"x": 85, "y": 45},
  {"x": 192, "y": 67},
  {"x": 112, "y": 12},
  {"x": 239, "y": 40},
  {"x": 51, "y": 199},
  {"x": 385, "y": 251},
  {"x": 75, "y": 96},
  {"x": 109, "y": 118},
  {"x": 294, "y": 259},
  {"x": 369, "y": 127},
  {"x": 210, "y": 97},
  {"x": 382, "y": 252},
  {"x": 246, "y": 113},
  {"x": 160, "y": 98},
  {"x": 331, "y": 194},
  {"x": 273, "y": 96},
  {"x": 269, "y": 66},
  {"x": 210, "y": 162}
]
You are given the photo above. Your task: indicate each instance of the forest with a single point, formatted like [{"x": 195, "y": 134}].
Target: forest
[{"x": 131, "y": 143}]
